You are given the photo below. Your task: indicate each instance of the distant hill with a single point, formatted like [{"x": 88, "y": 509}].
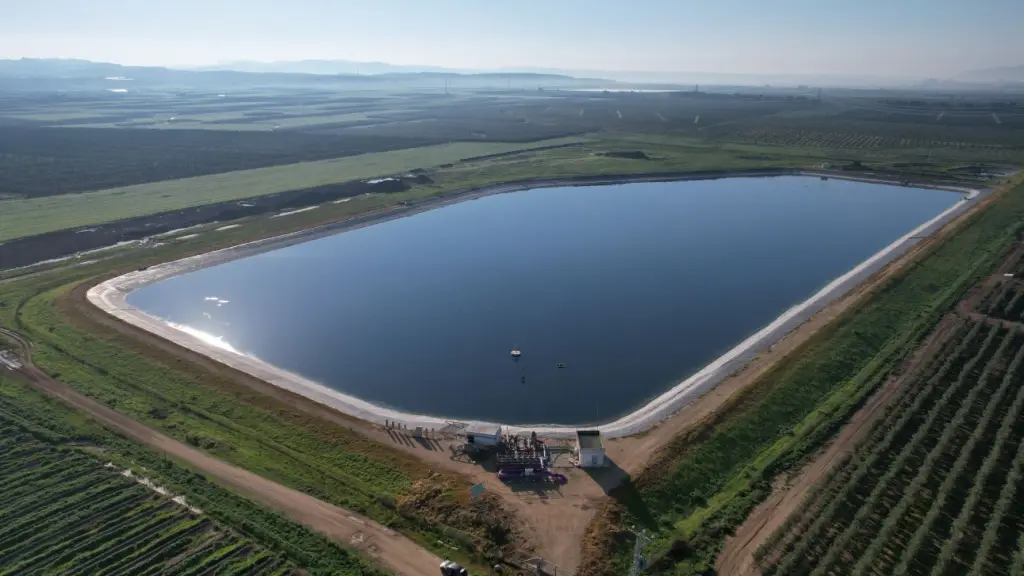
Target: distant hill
[
  {"x": 333, "y": 72},
  {"x": 1001, "y": 74},
  {"x": 353, "y": 68},
  {"x": 60, "y": 68},
  {"x": 636, "y": 76},
  {"x": 324, "y": 67},
  {"x": 84, "y": 74}
]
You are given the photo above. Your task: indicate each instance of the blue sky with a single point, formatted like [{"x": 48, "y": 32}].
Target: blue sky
[{"x": 914, "y": 38}]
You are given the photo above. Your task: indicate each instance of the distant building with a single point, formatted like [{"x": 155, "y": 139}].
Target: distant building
[
  {"x": 590, "y": 449},
  {"x": 483, "y": 435}
]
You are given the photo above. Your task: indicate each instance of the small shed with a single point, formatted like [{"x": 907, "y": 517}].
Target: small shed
[
  {"x": 483, "y": 435},
  {"x": 590, "y": 448}
]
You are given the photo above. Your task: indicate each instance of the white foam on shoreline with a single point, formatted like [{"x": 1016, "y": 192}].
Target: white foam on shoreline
[{"x": 110, "y": 296}]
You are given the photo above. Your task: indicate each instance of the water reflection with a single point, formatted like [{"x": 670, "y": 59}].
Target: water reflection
[{"x": 207, "y": 338}]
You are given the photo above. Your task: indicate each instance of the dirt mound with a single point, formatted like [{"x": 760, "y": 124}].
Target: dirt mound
[
  {"x": 483, "y": 522},
  {"x": 601, "y": 540}
]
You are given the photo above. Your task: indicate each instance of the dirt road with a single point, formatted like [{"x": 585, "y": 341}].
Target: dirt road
[
  {"x": 394, "y": 551},
  {"x": 737, "y": 558}
]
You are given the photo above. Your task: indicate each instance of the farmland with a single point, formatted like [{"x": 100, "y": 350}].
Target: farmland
[
  {"x": 161, "y": 152},
  {"x": 80, "y": 500},
  {"x": 855, "y": 141},
  {"x": 934, "y": 488},
  {"x": 65, "y": 513},
  {"x": 1006, "y": 300},
  {"x": 38, "y": 161},
  {"x": 45, "y": 214}
]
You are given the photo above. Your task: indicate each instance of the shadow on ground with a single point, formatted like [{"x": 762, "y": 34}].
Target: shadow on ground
[
  {"x": 618, "y": 484},
  {"x": 427, "y": 443},
  {"x": 541, "y": 489}
]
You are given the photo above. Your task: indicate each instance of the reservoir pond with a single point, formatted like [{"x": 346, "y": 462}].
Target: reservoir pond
[{"x": 613, "y": 294}]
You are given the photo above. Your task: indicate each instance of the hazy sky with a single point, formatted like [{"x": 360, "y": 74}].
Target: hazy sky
[{"x": 890, "y": 37}]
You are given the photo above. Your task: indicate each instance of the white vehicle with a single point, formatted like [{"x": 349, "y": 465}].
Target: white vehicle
[{"x": 449, "y": 568}]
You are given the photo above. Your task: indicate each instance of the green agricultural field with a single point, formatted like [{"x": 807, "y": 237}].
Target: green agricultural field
[
  {"x": 69, "y": 507},
  {"x": 212, "y": 134},
  {"x": 315, "y": 119},
  {"x": 666, "y": 154},
  {"x": 65, "y": 513},
  {"x": 224, "y": 121},
  {"x": 29, "y": 216},
  {"x": 1006, "y": 300},
  {"x": 936, "y": 488},
  {"x": 47, "y": 161}
]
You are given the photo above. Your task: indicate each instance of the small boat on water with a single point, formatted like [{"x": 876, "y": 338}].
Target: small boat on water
[
  {"x": 516, "y": 352},
  {"x": 560, "y": 365}
]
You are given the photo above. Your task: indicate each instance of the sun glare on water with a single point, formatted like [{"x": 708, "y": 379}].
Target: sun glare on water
[{"x": 207, "y": 338}]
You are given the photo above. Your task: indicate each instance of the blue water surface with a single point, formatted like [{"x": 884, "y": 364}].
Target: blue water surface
[{"x": 632, "y": 287}]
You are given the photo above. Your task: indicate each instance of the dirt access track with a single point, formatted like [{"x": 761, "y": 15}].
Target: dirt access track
[
  {"x": 390, "y": 549},
  {"x": 556, "y": 518}
]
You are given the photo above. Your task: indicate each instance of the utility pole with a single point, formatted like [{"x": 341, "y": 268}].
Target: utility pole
[{"x": 643, "y": 539}]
